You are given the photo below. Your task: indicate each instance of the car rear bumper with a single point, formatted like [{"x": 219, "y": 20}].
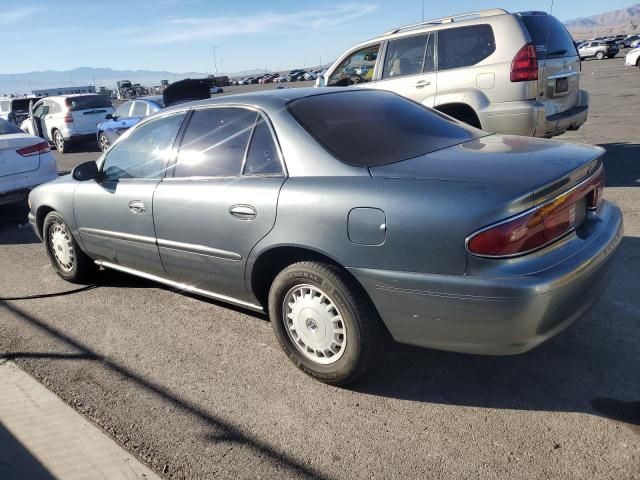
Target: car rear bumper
[{"x": 495, "y": 315}]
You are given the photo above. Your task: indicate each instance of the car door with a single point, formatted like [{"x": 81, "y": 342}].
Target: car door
[
  {"x": 36, "y": 124},
  {"x": 114, "y": 212},
  {"x": 119, "y": 123},
  {"x": 220, "y": 201},
  {"x": 49, "y": 118},
  {"x": 409, "y": 68}
]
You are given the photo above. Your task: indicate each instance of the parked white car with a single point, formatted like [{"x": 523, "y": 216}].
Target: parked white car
[
  {"x": 66, "y": 119},
  {"x": 632, "y": 58},
  {"x": 25, "y": 162}
]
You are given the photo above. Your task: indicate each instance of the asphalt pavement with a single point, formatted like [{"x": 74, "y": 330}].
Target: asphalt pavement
[{"x": 197, "y": 389}]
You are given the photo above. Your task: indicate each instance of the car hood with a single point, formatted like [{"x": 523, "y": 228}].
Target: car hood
[
  {"x": 536, "y": 167},
  {"x": 186, "y": 90}
]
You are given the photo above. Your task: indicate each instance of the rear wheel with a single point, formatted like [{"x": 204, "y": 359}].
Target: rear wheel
[
  {"x": 69, "y": 262},
  {"x": 103, "y": 142},
  {"x": 324, "y": 322},
  {"x": 61, "y": 144},
  {"x": 600, "y": 55}
]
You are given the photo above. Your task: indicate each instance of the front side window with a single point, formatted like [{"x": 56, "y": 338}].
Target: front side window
[
  {"x": 262, "y": 156},
  {"x": 358, "y": 67},
  {"x": 123, "y": 110},
  {"x": 39, "y": 110},
  {"x": 215, "y": 142},
  {"x": 464, "y": 46},
  {"x": 406, "y": 56},
  {"x": 145, "y": 152}
]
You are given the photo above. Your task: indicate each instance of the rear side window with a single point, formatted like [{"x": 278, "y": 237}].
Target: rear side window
[
  {"x": 262, "y": 156},
  {"x": 87, "y": 102},
  {"x": 368, "y": 128},
  {"x": 215, "y": 143},
  {"x": 406, "y": 56},
  {"x": 464, "y": 46},
  {"x": 543, "y": 27}
]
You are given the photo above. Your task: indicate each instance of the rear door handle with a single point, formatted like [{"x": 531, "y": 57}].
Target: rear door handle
[
  {"x": 136, "y": 206},
  {"x": 243, "y": 212},
  {"x": 422, "y": 83}
]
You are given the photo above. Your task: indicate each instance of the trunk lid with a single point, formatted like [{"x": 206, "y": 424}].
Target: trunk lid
[
  {"x": 11, "y": 163},
  {"x": 526, "y": 171},
  {"x": 558, "y": 62}
]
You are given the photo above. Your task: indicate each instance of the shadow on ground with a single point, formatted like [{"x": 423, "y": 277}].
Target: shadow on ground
[{"x": 17, "y": 462}]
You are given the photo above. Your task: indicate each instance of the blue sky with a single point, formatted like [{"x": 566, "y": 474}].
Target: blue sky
[{"x": 179, "y": 35}]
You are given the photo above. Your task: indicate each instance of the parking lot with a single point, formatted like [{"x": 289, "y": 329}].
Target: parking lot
[{"x": 198, "y": 389}]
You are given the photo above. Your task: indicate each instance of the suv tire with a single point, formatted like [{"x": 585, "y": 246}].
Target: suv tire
[
  {"x": 61, "y": 144},
  {"x": 599, "y": 55}
]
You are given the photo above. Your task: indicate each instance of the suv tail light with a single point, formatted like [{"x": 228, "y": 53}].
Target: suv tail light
[
  {"x": 38, "y": 148},
  {"x": 540, "y": 226},
  {"x": 524, "y": 66}
]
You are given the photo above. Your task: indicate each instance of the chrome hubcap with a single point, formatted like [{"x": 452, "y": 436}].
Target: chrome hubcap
[
  {"x": 314, "y": 324},
  {"x": 61, "y": 247}
]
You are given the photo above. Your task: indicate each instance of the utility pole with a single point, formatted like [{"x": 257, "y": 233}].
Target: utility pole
[
  {"x": 423, "y": 10},
  {"x": 215, "y": 63}
]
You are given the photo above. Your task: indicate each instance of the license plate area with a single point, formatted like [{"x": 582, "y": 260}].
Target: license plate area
[{"x": 562, "y": 85}]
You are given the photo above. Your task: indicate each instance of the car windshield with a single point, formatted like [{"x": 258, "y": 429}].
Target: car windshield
[
  {"x": 7, "y": 128},
  {"x": 87, "y": 102},
  {"x": 368, "y": 128}
]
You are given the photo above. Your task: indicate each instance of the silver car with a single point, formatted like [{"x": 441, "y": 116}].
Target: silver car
[
  {"x": 514, "y": 73},
  {"x": 598, "y": 50},
  {"x": 348, "y": 215}
]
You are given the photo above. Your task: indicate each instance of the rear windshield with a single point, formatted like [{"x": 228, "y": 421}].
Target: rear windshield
[
  {"x": 6, "y": 127},
  {"x": 547, "y": 27},
  {"x": 87, "y": 102},
  {"x": 368, "y": 128}
]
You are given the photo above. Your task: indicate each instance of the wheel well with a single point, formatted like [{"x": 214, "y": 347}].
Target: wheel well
[
  {"x": 41, "y": 214},
  {"x": 462, "y": 112}
]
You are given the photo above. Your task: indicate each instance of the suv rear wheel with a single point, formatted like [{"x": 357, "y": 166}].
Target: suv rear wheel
[
  {"x": 600, "y": 55},
  {"x": 324, "y": 322}
]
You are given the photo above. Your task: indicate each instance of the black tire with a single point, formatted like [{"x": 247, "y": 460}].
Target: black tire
[
  {"x": 80, "y": 268},
  {"x": 599, "y": 55},
  {"x": 60, "y": 143},
  {"x": 103, "y": 142},
  {"x": 365, "y": 335}
]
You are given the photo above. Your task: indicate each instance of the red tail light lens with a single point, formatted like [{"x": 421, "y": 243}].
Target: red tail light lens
[
  {"x": 540, "y": 226},
  {"x": 524, "y": 66},
  {"x": 38, "y": 148}
]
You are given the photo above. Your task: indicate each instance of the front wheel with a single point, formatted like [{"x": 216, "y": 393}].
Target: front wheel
[
  {"x": 325, "y": 323},
  {"x": 61, "y": 144},
  {"x": 69, "y": 262},
  {"x": 600, "y": 55},
  {"x": 103, "y": 142}
]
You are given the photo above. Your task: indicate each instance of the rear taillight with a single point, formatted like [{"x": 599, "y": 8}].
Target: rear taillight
[
  {"x": 524, "y": 66},
  {"x": 68, "y": 118},
  {"x": 539, "y": 226},
  {"x": 38, "y": 148}
]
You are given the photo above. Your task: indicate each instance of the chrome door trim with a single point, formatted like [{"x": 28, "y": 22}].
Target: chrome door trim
[
  {"x": 96, "y": 232},
  {"x": 180, "y": 286},
  {"x": 199, "y": 249}
]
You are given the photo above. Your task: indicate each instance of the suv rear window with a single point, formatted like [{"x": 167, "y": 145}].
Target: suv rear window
[
  {"x": 540, "y": 28},
  {"x": 368, "y": 128},
  {"x": 87, "y": 102}
]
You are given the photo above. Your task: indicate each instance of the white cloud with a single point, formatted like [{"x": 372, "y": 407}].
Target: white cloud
[
  {"x": 9, "y": 17},
  {"x": 185, "y": 29}
]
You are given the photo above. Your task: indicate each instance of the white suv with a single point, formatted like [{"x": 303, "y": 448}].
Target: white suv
[
  {"x": 66, "y": 119},
  {"x": 513, "y": 73}
]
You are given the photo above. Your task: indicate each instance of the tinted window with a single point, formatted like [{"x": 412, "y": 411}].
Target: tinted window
[
  {"x": 87, "y": 102},
  {"x": 215, "y": 143},
  {"x": 464, "y": 46},
  {"x": 405, "y": 56},
  {"x": 262, "y": 156},
  {"x": 139, "y": 109},
  {"x": 369, "y": 128},
  {"x": 360, "y": 63},
  {"x": 540, "y": 28},
  {"x": 21, "y": 104},
  {"x": 123, "y": 110},
  {"x": 6, "y": 127},
  {"x": 145, "y": 152}
]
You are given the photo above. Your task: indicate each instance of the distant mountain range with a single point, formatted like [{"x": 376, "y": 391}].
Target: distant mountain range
[
  {"x": 626, "y": 20},
  {"x": 24, "y": 82}
]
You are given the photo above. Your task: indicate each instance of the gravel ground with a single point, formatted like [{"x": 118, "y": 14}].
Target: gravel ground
[{"x": 197, "y": 389}]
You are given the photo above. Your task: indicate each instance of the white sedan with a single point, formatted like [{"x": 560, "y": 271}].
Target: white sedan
[
  {"x": 632, "y": 59},
  {"x": 25, "y": 162}
]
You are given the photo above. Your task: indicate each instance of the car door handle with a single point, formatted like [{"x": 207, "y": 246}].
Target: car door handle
[
  {"x": 422, "y": 83},
  {"x": 49, "y": 116},
  {"x": 136, "y": 206},
  {"x": 243, "y": 212}
]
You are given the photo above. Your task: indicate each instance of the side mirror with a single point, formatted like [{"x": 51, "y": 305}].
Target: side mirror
[
  {"x": 85, "y": 171},
  {"x": 109, "y": 116},
  {"x": 320, "y": 81}
]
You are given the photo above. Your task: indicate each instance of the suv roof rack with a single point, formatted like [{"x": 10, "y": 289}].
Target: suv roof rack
[{"x": 453, "y": 18}]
